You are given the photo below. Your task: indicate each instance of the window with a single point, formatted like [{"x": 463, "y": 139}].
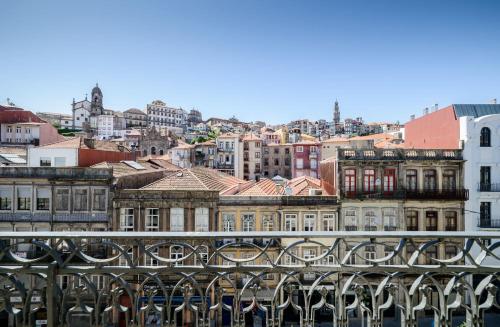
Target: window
[
  {"x": 389, "y": 180},
  {"x": 451, "y": 220},
  {"x": 411, "y": 180},
  {"x": 300, "y": 148},
  {"x": 290, "y": 222},
  {"x": 369, "y": 181},
  {"x": 24, "y": 198},
  {"x": 176, "y": 253},
  {"x": 99, "y": 199},
  {"x": 18, "y": 129},
  {"x": 313, "y": 149},
  {"x": 329, "y": 259},
  {"x": 9, "y": 129},
  {"x": 289, "y": 258},
  {"x": 80, "y": 201},
  {"x": 388, "y": 250},
  {"x": 267, "y": 223},
  {"x": 431, "y": 219},
  {"x": 248, "y": 221},
  {"x": 228, "y": 222},
  {"x": 485, "y": 214},
  {"x": 122, "y": 261},
  {"x": 43, "y": 199},
  {"x": 351, "y": 221},
  {"x": 62, "y": 199},
  {"x": 431, "y": 253},
  {"x": 5, "y": 199},
  {"x": 389, "y": 216},
  {"x": 429, "y": 180},
  {"x": 450, "y": 251},
  {"x": 485, "y": 179},
  {"x": 370, "y": 220},
  {"x": 202, "y": 251},
  {"x": 59, "y": 161},
  {"x": 277, "y": 150},
  {"x": 149, "y": 260},
  {"x": 45, "y": 162},
  {"x": 370, "y": 253},
  {"x": 351, "y": 260},
  {"x": 299, "y": 163},
  {"x": 485, "y": 138},
  {"x": 152, "y": 219},
  {"x": 176, "y": 219},
  {"x": 328, "y": 222},
  {"x": 350, "y": 181},
  {"x": 314, "y": 164},
  {"x": 449, "y": 180},
  {"x": 127, "y": 219},
  {"x": 201, "y": 219},
  {"x": 309, "y": 222},
  {"x": 412, "y": 220},
  {"x": 257, "y": 154},
  {"x": 309, "y": 254}
]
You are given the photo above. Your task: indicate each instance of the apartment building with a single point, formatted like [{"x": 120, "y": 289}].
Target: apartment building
[
  {"x": 19, "y": 127},
  {"x": 306, "y": 158},
  {"x": 159, "y": 114},
  {"x": 252, "y": 157},
  {"x": 135, "y": 118},
  {"x": 399, "y": 190},
  {"x": 277, "y": 160},
  {"x": 276, "y": 205},
  {"x": 230, "y": 154},
  {"x": 205, "y": 154},
  {"x": 474, "y": 128}
]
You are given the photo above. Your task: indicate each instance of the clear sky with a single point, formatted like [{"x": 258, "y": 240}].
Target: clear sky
[{"x": 259, "y": 60}]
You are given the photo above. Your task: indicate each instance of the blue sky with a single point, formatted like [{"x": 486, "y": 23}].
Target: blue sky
[{"x": 259, "y": 60}]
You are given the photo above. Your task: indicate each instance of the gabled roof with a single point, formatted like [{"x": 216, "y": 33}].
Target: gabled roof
[
  {"x": 202, "y": 179},
  {"x": 264, "y": 186},
  {"x": 301, "y": 185},
  {"x": 13, "y": 115}
]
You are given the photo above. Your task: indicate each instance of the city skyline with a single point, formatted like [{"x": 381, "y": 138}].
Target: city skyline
[{"x": 259, "y": 61}]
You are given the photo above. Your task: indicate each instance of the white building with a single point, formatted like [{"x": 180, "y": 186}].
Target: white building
[
  {"x": 230, "y": 154},
  {"x": 182, "y": 155},
  {"x": 159, "y": 114},
  {"x": 81, "y": 113},
  {"x": 481, "y": 150}
]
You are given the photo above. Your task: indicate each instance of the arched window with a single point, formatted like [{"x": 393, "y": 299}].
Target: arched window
[
  {"x": 161, "y": 152},
  {"x": 485, "y": 139},
  {"x": 153, "y": 150}
]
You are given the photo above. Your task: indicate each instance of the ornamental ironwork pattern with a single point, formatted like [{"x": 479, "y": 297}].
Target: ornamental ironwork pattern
[{"x": 215, "y": 279}]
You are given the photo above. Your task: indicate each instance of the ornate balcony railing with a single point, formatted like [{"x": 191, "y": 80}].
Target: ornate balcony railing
[{"x": 179, "y": 279}]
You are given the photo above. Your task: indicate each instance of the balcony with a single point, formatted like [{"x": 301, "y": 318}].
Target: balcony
[
  {"x": 488, "y": 223},
  {"x": 189, "y": 288},
  {"x": 488, "y": 187},
  {"x": 458, "y": 195},
  {"x": 399, "y": 154}
]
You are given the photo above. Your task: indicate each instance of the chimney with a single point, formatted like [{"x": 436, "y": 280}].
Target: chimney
[
  {"x": 412, "y": 117},
  {"x": 90, "y": 143},
  {"x": 426, "y": 111}
]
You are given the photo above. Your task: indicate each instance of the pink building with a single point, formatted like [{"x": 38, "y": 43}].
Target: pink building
[{"x": 305, "y": 160}]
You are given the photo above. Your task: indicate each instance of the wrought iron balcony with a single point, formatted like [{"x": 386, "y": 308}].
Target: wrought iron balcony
[
  {"x": 401, "y": 193},
  {"x": 488, "y": 187},
  {"x": 180, "y": 279},
  {"x": 488, "y": 223}
]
